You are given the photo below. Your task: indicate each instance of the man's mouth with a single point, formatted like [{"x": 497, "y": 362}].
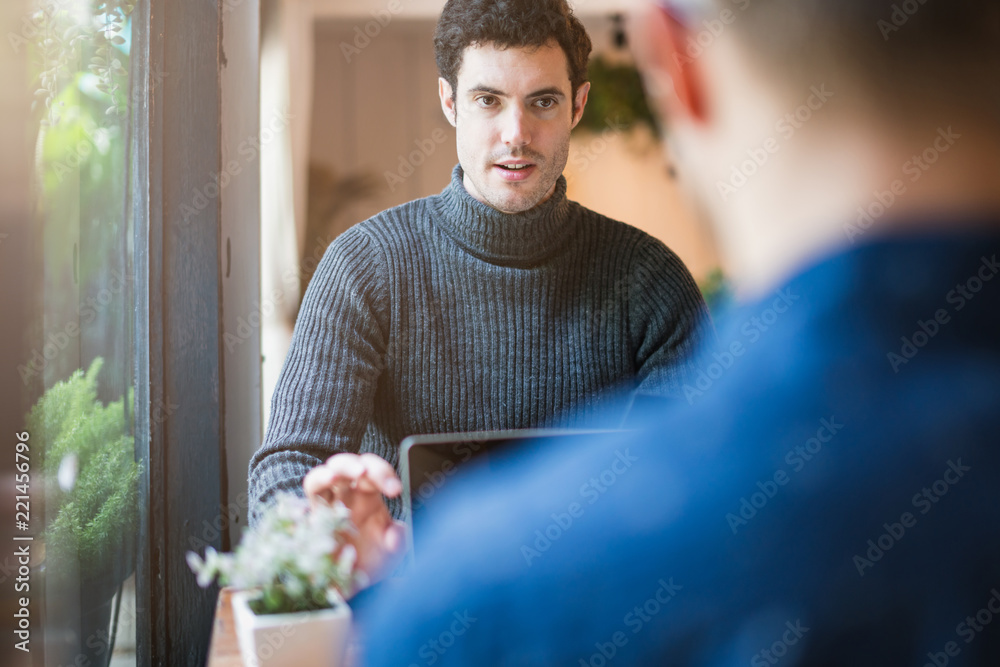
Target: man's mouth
[{"x": 515, "y": 170}]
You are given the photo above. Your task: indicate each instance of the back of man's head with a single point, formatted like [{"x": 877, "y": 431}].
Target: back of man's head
[
  {"x": 902, "y": 54},
  {"x": 785, "y": 116},
  {"x": 507, "y": 24}
]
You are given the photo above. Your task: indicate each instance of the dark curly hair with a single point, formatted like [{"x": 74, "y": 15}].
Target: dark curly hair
[{"x": 505, "y": 24}]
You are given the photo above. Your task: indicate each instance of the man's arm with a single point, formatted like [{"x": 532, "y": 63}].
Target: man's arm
[
  {"x": 323, "y": 401},
  {"x": 668, "y": 320}
]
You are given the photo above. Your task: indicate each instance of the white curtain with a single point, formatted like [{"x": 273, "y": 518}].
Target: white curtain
[{"x": 286, "y": 71}]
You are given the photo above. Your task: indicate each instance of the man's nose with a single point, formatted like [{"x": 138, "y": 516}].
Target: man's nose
[{"x": 516, "y": 127}]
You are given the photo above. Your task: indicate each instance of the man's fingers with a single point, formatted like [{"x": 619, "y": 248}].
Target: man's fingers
[
  {"x": 382, "y": 475},
  {"x": 339, "y": 476},
  {"x": 318, "y": 482},
  {"x": 346, "y": 468},
  {"x": 359, "y": 482},
  {"x": 366, "y": 473}
]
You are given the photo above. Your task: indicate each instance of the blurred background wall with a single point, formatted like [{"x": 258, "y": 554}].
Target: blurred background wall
[{"x": 368, "y": 134}]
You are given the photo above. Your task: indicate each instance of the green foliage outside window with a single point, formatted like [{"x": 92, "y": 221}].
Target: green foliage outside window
[{"x": 90, "y": 473}]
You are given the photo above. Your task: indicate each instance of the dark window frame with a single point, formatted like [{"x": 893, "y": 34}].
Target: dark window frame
[{"x": 180, "y": 379}]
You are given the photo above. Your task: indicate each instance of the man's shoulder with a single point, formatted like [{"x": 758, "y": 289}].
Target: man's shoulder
[
  {"x": 607, "y": 226},
  {"x": 398, "y": 226},
  {"x": 393, "y": 221},
  {"x": 610, "y": 233}
]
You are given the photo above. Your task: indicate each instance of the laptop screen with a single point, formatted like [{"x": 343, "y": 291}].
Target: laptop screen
[{"x": 428, "y": 463}]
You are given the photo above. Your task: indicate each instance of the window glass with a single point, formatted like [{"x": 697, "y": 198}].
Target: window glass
[{"x": 84, "y": 472}]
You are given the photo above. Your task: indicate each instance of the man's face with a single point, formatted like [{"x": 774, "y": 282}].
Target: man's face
[{"x": 513, "y": 112}]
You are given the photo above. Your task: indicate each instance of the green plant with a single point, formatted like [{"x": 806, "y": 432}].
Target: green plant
[
  {"x": 717, "y": 291},
  {"x": 294, "y": 555},
  {"x": 66, "y": 37},
  {"x": 86, "y": 449},
  {"x": 616, "y": 97}
]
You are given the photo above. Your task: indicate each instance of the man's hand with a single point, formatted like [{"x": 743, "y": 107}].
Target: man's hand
[{"x": 360, "y": 482}]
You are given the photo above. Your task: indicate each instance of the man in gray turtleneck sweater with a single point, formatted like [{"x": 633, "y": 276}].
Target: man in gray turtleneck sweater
[{"x": 497, "y": 304}]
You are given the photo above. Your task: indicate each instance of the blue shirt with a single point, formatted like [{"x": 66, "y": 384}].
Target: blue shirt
[{"x": 831, "y": 496}]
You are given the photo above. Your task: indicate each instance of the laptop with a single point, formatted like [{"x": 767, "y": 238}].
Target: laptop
[{"x": 428, "y": 463}]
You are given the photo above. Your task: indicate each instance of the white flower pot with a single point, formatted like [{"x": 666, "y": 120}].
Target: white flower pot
[{"x": 301, "y": 639}]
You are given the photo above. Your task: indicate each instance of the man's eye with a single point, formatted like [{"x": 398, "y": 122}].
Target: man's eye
[
  {"x": 546, "y": 103},
  {"x": 486, "y": 101}
]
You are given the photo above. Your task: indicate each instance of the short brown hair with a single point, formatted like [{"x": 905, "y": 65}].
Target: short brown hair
[{"x": 509, "y": 23}]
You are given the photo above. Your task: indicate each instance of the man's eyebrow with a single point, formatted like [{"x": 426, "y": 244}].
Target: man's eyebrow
[
  {"x": 552, "y": 90},
  {"x": 487, "y": 89},
  {"x": 548, "y": 91}
]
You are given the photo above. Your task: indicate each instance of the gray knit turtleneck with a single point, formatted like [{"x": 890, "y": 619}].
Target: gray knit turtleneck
[{"x": 446, "y": 315}]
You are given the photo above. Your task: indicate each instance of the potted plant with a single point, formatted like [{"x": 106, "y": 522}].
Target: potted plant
[
  {"x": 292, "y": 572},
  {"x": 90, "y": 499}
]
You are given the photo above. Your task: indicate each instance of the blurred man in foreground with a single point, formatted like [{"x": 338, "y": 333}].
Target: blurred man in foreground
[{"x": 833, "y": 497}]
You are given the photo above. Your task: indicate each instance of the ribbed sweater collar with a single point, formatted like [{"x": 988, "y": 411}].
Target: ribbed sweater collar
[{"x": 503, "y": 237}]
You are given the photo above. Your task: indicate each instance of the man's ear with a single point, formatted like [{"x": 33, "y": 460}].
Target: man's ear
[
  {"x": 580, "y": 101},
  {"x": 446, "y": 94},
  {"x": 674, "y": 71}
]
